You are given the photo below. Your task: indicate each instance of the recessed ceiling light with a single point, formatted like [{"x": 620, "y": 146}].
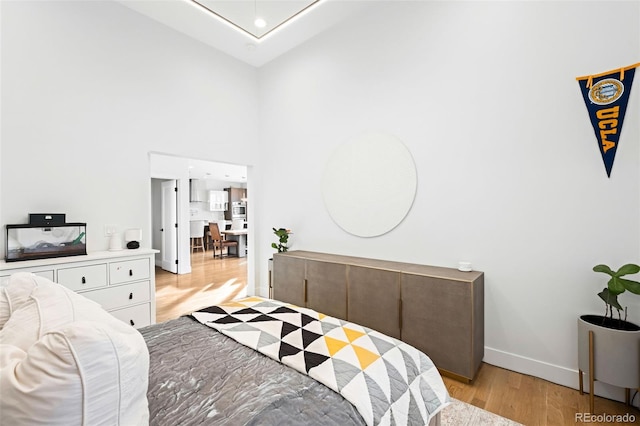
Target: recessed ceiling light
[{"x": 260, "y": 23}]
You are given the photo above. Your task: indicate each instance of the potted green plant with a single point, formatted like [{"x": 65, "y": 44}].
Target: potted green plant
[
  {"x": 609, "y": 347},
  {"x": 283, "y": 239},
  {"x": 609, "y": 295},
  {"x": 282, "y": 246}
]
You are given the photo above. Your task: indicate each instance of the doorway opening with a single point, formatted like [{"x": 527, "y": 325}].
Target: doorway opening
[{"x": 198, "y": 187}]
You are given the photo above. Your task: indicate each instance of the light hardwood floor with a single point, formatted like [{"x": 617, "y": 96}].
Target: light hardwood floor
[
  {"x": 211, "y": 281},
  {"x": 525, "y": 399},
  {"x": 532, "y": 401}
]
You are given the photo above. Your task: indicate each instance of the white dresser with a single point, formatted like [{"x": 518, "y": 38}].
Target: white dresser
[{"x": 123, "y": 282}]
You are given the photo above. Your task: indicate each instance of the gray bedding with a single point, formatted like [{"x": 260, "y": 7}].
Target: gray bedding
[{"x": 200, "y": 376}]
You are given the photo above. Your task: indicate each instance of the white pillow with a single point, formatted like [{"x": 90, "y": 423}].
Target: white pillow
[
  {"x": 64, "y": 360},
  {"x": 48, "y": 306},
  {"x": 14, "y": 293},
  {"x": 84, "y": 373}
]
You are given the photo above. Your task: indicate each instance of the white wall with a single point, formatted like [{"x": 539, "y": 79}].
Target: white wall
[
  {"x": 509, "y": 173},
  {"x": 88, "y": 90}
]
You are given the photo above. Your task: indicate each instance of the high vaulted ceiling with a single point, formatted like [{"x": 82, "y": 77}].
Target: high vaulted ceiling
[
  {"x": 257, "y": 18},
  {"x": 229, "y": 25}
]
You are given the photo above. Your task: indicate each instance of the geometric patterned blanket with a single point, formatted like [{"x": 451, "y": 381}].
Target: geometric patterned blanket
[{"x": 388, "y": 381}]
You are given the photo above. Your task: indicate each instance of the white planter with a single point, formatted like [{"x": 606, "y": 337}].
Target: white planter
[{"x": 616, "y": 354}]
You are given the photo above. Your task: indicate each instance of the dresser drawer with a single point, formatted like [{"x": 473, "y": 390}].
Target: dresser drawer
[
  {"x": 48, "y": 274},
  {"x": 45, "y": 274},
  {"x": 83, "y": 277},
  {"x": 120, "y": 296},
  {"x": 129, "y": 270},
  {"x": 137, "y": 316}
]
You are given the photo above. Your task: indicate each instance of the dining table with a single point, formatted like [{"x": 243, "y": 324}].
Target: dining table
[{"x": 239, "y": 235}]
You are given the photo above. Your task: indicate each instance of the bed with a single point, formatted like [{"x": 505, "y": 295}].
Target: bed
[
  {"x": 201, "y": 373},
  {"x": 254, "y": 361}
]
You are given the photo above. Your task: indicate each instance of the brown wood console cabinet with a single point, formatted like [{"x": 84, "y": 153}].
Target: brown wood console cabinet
[{"x": 438, "y": 310}]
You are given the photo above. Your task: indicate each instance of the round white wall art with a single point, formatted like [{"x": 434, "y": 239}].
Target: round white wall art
[{"x": 369, "y": 184}]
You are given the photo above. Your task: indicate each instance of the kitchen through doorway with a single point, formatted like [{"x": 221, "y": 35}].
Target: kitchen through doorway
[{"x": 201, "y": 188}]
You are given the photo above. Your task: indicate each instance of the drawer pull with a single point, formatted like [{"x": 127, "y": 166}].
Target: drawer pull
[
  {"x": 130, "y": 272},
  {"x": 130, "y": 296},
  {"x": 84, "y": 280},
  {"x": 131, "y": 322},
  {"x": 304, "y": 284}
]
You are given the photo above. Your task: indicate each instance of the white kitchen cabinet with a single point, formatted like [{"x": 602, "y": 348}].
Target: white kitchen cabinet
[
  {"x": 122, "y": 282},
  {"x": 218, "y": 200}
]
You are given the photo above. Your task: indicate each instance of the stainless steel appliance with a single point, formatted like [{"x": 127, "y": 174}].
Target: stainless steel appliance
[{"x": 238, "y": 210}]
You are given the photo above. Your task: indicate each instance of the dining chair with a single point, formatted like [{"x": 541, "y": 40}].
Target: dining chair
[
  {"x": 197, "y": 235},
  {"x": 222, "y": 225},
  {"x": 219, "y": 242}
]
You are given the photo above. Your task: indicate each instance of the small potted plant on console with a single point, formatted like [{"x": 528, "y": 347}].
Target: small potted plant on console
[
  {"x": 282, "y": 246},
  {"x": 283, "y": 239}
]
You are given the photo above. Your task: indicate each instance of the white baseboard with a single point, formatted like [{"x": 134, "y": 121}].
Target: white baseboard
[{"x": 552, "y": 373}]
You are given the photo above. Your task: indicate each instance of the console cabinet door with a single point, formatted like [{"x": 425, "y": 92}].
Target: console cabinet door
[
  {"x": 327, "y": 288},
  {"x": 437, "y": 319},
  {"x": 374, "y": 299},
  {"x": 288, "y": 279}
]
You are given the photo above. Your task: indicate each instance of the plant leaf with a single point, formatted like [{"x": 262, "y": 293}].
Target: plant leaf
[
  {"x": 632, "y": 286},
  {"x": 610, "y": 299},
  {"x": 629, "y": 268},
  {"x": 615, "y": 286},
  {"x": 603, "y": 268},
  {"x": 281, "y": 232}
]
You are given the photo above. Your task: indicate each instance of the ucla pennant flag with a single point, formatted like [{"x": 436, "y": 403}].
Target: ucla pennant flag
[{"x": 606, "y": 96}]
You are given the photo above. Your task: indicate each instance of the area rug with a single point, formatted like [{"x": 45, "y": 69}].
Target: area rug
[{"x": 462, "y": 414}]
